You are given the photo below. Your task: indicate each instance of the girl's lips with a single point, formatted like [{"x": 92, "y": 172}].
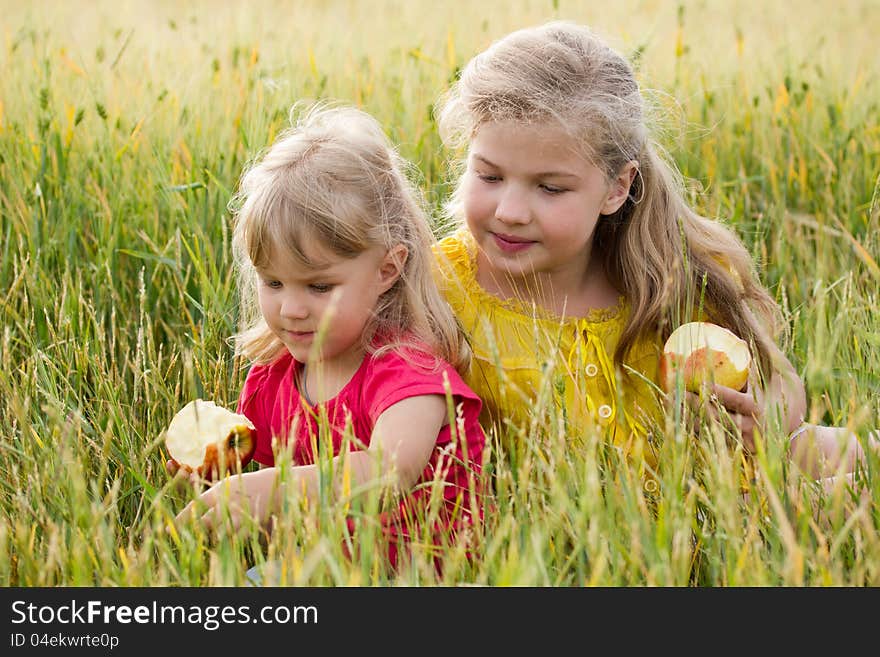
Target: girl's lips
[
  {"x": 510, "y": 244},
  {"x": 300, "y": 335}
]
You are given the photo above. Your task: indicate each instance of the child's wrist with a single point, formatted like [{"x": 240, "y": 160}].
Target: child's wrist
[{"x": 797, "y": 432}]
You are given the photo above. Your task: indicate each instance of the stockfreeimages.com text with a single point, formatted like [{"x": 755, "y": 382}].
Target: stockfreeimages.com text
[{"x": 211, "y": 617}]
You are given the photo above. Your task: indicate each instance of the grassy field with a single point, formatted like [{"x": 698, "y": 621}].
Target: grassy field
[{"x": 123, "y": 129}]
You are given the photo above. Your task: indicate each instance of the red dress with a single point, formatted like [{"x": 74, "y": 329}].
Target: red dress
[{"x": 271, "y": 400}]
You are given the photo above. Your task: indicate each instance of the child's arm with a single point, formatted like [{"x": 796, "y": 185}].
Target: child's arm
[
  {"x": 784, "y": 397},
  {"x": 823, "y": 452},
  {"x": 400, "y": 446},
  {"x": 819, "y": 451}
]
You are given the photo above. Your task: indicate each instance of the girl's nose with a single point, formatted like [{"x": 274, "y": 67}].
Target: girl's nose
[
  {"x": 513, "y": 207},
  {"x": 294, "y": 307}
]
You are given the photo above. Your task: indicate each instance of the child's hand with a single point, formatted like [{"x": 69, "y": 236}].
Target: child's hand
[
  {"x": 726, "y": 405},
  {"x": 179, "y": 474},
  {"x": 742, "y": 409},
  {"x": 232, "y": 501}
]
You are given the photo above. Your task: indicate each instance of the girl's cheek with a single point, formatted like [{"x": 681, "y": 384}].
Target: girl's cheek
[{"x": 475, "y": 202}]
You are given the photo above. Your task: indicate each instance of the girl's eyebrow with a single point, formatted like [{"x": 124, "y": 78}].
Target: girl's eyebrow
[
  {"x": 484, "y": 160},
  {"x": 314, "y": 273},
  {"x": 540, "y": 174},
  {"x": 321, "y": 266},
  {"x": 317, "y": 267}
]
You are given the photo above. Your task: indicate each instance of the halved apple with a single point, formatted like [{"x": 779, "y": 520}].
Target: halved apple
[
  {"x": 210, "y": 440},
  {"x": 702, "y": 352}
]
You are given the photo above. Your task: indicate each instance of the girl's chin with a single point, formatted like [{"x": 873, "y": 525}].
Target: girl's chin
[
  {"x": 302, "y": 353},
  {"x": 511, "y": 265}
]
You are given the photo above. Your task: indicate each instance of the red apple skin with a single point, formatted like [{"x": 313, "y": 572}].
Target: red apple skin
[{"x": 240, "y": 446}]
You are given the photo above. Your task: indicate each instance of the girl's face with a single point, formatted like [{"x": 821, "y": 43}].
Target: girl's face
[
  {"x": 335, "y": 295},
  {"x": 532, "y": 203}
]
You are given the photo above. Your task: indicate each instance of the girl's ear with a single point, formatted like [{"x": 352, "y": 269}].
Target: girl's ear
[
  {"x": 619, "y": 188},
  {"x": 391, "y": 267}
]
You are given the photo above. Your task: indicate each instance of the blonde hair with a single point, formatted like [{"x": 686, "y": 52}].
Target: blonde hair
[
  {"x": 334, "y": 179},
  {"x": 665, "y": 258}
]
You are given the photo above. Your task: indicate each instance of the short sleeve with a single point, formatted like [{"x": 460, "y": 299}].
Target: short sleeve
[{"x": 395, "y": 378}]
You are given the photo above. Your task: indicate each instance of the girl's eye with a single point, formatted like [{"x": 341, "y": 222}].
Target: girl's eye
[
  {"x": 320, "y": 288},
  {"x": 274, "y": 285},
  {"x": 552, "y": 189},
  {"x": 488, "y": 178}
]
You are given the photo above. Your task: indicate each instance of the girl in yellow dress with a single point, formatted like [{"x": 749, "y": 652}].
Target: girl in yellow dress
[{"x": 578, "y": 255}]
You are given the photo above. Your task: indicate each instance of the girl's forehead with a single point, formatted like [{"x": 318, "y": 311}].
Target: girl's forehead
[
  {"x": 314, "y": 258},
  {"x": 309, "y": 255},
  {"x": 531, "y": 142},
  {"x": 538, "y": 132}
]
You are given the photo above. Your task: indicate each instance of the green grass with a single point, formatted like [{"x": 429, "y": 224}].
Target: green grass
[{"x": 122, "y": 134}]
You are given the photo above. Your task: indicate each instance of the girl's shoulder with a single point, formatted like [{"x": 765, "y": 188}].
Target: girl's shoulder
[
  {"x": 454, "y": 256},
  {"x": 728, "y": 267},
  {"x": 409, "y": 370},
  {"x": 405, "y": 355}
]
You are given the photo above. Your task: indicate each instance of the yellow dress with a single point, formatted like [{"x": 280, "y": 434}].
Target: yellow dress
[{"x": 528, "y": 363}]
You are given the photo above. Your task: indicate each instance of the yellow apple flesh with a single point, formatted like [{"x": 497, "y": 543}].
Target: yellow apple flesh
[
  {"x": 703, "y": 353},
  {"x": 210, "y": 440}
]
